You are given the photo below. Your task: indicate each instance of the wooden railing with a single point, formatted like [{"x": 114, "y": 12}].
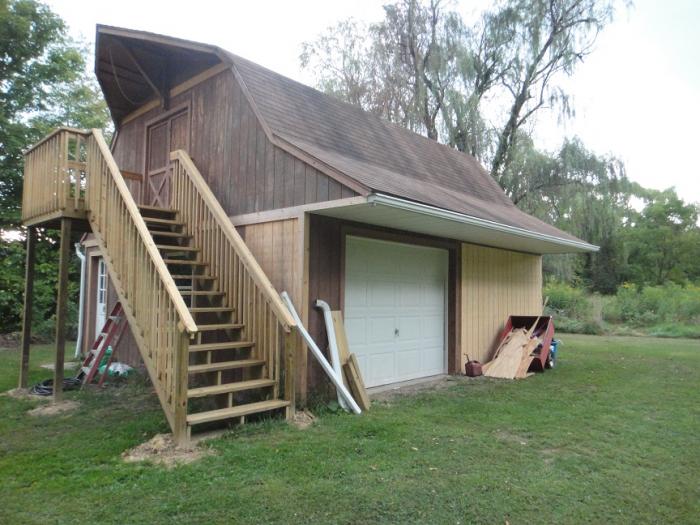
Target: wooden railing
[
  {"x": 256, "y": 303},
  {"x": 159, "y": 317},
  {"x": 54, "y": 176}
]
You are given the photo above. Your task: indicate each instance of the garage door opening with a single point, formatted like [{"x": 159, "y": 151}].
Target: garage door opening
[{"x": 396, "y": 309}]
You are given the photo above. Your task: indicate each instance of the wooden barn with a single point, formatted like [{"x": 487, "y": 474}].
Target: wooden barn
[{"x": 226, "y": 183}]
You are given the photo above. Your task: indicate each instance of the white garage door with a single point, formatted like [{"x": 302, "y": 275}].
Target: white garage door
[{"x": 395, "y": 309}]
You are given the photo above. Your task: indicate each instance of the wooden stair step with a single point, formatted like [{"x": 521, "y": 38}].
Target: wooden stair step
[
  {"x": 198, "y": 292},
  {"x": 165, "y": 222},
  {"x": 189, "y": 276},
  {"x": 176, "y": 248},
  {"x": 210, "y": 309},
  {"x": 221, "y": 326},
  {"x": 225, "y": 365},
  {"x": 184, "y": 262},
  {"x": 238, "y": 411},
  {"x": 231, "y": 345},
  {"x": 163, "y": 233},
  {"x": 229, "y": 387},
  {"x": 157, "y": 209}
]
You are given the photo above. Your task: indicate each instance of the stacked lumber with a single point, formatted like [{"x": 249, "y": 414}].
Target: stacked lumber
[{"x": 514, "y": 355}]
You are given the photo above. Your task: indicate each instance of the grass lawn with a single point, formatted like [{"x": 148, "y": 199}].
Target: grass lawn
[{"x": 610, "y": 436}]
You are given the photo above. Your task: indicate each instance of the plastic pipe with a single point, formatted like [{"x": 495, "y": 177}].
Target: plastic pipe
[
  {"x": 332, "y": 345},
  {"x": 81, "y": 302},
  {"x": 319, "y": 355}
]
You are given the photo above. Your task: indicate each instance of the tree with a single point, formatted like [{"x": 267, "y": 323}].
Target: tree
[
  {"x": 42, "y": 82},
  {"x": 547, "y": 37},
  {"x": 662, "y": 240},
  {"x": 42, "y": 85}
]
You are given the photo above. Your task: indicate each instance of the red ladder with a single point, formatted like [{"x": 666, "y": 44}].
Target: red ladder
[{"x": 109, "y": 336}]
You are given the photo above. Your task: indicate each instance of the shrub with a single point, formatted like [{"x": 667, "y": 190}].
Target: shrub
[
  {"x": 653, "y": 305},
  {"x": 567, "y": 301}
]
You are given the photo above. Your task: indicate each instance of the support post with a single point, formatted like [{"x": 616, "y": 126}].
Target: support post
[
  {"x": 61, "y": 308},
  {"x": 27, "y": 308},
  {"x": 291, "y": 343},
  {"x": 180, "y": 433}
]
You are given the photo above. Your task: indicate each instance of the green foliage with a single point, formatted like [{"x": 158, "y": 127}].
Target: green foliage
[
  {"x": 649, "y": 306},
  {"x": 566, "y": 300},
  {"x": 43, "y": 84}
]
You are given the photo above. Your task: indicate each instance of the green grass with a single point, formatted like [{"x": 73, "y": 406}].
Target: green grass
[{"x": 610, "y": 436}]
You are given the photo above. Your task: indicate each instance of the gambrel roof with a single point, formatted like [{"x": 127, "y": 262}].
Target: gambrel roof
[{"x": 378, "y": 156}]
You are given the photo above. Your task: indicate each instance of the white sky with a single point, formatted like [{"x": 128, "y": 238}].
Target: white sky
[{"x": 637, "y": 96}]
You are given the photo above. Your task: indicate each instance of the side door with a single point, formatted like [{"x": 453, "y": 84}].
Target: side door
[{"x": 164, "y": 135}]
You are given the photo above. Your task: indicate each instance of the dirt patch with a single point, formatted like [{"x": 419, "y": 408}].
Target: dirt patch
[
  {"x": 54, "y": 409},
  {"x": 162, "y": 450},
  {"x": 68, "y": 365},
  {"x": 24, "y": 394},
  {"x": 383, "y": 394},
  {"x": 509, "y": 437},
  {"x": 303, "y": 419}
]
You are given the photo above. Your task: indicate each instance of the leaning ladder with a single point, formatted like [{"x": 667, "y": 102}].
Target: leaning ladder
[{"x": 109, "y": 336}]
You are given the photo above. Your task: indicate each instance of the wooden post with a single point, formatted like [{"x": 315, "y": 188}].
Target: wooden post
[
  {"x": 61, "y": 308},
  {"x": 27, "y": 309},
  {"x": 291, "y": 343},
  {"x": 180, "y": 394}
]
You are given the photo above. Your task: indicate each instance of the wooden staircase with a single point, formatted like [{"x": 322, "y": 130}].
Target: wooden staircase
[
  {"x": 224, "y": 373},
  {"x": 213, "y": 333}
]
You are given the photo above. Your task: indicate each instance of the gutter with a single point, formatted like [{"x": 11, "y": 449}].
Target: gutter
[{"x": 440, "y": 213}]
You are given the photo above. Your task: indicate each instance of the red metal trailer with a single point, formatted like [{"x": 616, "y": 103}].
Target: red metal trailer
[{"x": 544, "y": 330}]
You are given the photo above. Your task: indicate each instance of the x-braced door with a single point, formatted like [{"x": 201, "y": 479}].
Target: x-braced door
[{"x": 163, "y": 136}]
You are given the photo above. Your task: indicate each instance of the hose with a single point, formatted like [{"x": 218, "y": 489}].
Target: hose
[{"x": 45, "y": 388}]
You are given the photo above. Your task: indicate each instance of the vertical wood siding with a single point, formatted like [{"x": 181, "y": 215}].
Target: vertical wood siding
[
  {"x": 246, "y": 172},
  {"x": 495, "y": 284}
]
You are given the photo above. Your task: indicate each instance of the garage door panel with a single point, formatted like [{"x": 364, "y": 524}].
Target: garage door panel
[
  {"x": 395, "y": 309},
  {"x": 382, "y": 329}
]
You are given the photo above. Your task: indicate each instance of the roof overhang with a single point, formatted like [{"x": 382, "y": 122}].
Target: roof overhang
[
  {"x": 134, "y": 68},
  {"x": 402, "y": 214}
]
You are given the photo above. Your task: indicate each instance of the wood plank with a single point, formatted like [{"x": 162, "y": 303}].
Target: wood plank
[
  {"x": 357, "y": 385},
  {"x": 238, "y": 411},
  {"x": 226, "y": 388},
  {"x": 225, "y": 365},
  {"x": 61, "y": 308},
  {"x": 27, "y": 307}
]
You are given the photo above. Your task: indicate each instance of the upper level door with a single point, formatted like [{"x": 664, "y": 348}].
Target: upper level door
[{"x": 163, "y": 136}]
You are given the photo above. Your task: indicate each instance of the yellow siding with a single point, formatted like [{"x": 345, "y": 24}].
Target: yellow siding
[{"x": 495, "y": 284}]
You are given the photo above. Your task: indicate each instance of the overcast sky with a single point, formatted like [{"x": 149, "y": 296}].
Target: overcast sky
[{"x": 637, "y": 96}]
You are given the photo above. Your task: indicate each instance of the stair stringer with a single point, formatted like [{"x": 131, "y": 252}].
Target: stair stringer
[{"x": 135, "y": 330}]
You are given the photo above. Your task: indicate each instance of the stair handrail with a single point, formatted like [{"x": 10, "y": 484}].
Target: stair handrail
[
  {"x": 234, "y": 239},
  {"x": 186, "y": 321}
]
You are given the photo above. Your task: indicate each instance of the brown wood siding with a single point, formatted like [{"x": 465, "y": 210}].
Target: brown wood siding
[
  {"x": 495, "y": 284},
  {"x": 246, "y": 172}
]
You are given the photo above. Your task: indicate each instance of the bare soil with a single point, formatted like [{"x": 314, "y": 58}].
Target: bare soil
[
  {"x": 162, "y": 450},
  {"x": 54, "y": 409},
  {"x": 303, "y": 419}
]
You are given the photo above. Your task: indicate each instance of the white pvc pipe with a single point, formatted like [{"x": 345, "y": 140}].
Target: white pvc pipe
[
  {"x": 332, "y": 345},
  {"x": 81, "y": 302},
  {"x": 319, "y": 355}
]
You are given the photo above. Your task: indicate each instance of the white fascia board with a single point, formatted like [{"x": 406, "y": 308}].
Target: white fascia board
[{"x": 433, "y": 211}]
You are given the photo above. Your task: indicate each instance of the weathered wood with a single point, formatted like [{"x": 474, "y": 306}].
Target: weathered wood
[
  {"x": 341, "y": 336},
  {"x": 181, "y": 359},
  {"x": 290, "y": 349},
  {"x": 61, "y": 308},
  {"x": 27, "y": 307},
  {"x": 357, "y": 385}
]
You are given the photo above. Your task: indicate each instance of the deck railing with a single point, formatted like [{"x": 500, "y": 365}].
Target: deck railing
[
  {"x": 256, "y": 303},
  {"x": 158, "y": 315},
  {"x": 54, "y": 176}
]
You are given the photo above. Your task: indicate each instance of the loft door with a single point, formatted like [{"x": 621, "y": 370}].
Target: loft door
[{"x": 162, "y": 137}]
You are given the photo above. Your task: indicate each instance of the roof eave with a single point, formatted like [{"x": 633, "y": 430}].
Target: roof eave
[{"x": 394, "y": 212}]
